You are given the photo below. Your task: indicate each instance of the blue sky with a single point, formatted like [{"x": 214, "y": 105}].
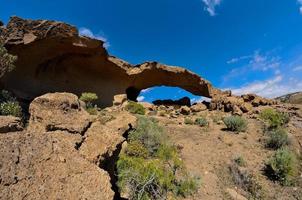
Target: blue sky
[{"x": 243, "y": 45}]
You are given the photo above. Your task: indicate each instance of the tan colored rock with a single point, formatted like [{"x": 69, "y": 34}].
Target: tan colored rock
[
  {"x": 119, "y": 99},
  {"x": 53, "y": 57},
  {"x": 148, "y": 106},
  {"x": 10, "y": 124},
  {"x": 100, "y": 142},
  {"x": 198, "y": 107},
  {"x": 185, "y": 110},
  {"x": 59, "y": 111}
]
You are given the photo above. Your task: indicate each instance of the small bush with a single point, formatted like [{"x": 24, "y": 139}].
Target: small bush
[
  {"x": 282, "y": 166},
  {"x": 6, "y": 61},
  {"x": 201, "y": 122},
  {"x": 89, "y": 99},
  {"x": 136, "y": 149},
  {"x": 235, "y": 123},
  {"x": 149, "y": 134},
  {"x": 135, "y": 108},
  {"x": 187, "y": 186},
  {"x": 11, "y": 108},
  {"x": 274, "y": 118},
  {"x": 240, "y": 161},
  {"x": 189, "y": 121},
  {"x": 277, "y": 138}
]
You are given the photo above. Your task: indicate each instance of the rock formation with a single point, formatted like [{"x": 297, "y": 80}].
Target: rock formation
[
  {"x": 64, "y": 153},
  {"x": 52, "y": 57}
]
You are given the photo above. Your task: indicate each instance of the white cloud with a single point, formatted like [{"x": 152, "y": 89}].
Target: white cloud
[
  {"x": 300, "y": 4},
  {"x": 140, "y": 98},
  {"x": 270, "y": 88},
  {"x": 255, "y": 62},
  {"x": 299, "y": 68},
  {"x": 88, "y": 33},
  {"x": 210, "y": 6},
  {"x": 146, "y": 90}
]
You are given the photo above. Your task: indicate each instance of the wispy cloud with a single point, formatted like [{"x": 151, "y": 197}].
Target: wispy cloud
[
  {"x": 140, "y": 98},
  {"x": 210, "y": 6},
  {"x": 300, "y": 5},
  {"x": 271, "y": 88},
  {"x": 88, "y": 33},
  {"x": 146, "y": 90},
  {"x": 299, "y": 68},
  {"x": 257, "y": 61}
]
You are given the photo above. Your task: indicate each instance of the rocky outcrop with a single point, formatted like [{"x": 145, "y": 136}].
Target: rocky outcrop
[
  {"x": 52, "y": 57},
  {"x": 238, "y": 104},
  {"x": 10, "y": 124},
  {"x": 64, "y": 153}
]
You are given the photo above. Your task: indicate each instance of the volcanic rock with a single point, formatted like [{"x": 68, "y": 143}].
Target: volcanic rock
[
  {"x": 10, "y": 124},
  {"x": 53, "y": 57}
]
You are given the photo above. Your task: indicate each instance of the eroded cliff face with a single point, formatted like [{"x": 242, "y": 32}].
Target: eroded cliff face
[{"x": 52, "y": 57}]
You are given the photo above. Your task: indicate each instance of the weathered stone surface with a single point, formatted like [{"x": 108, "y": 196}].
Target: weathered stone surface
[
  {"x": 59, "y": 111},
  {"x": 47, "y": 166},
  {"x": 185, "y": 110},
  {"x": 10, "y": 124},
  {"x": 198, "y": 107},
  {"x": 119, "y": 99},
  {"x": 53, "y": 57},
  {"x": 62, "y": 154}
]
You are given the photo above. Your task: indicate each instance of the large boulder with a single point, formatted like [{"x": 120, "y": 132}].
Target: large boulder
[
  {"x": 59, "y": 111},
  {"x": 53, "y": 57}
]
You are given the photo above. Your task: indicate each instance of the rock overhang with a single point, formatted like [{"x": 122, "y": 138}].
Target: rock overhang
[{"x": 53, "y": 57}]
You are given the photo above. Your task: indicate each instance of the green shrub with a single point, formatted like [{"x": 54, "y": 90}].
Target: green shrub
[
  {"x": 235, "y": 123},
  {"x": 201, "y": 122},
  {"x": 147, "y": 168},
  {"x": 240, "y": 161},
  {"x": 187, "y": 186},
  {"x": 135, "y": 108},
  {"x": 90, "y": 99},
  {"x": 137, "y": 149},
  {"x": 189, "y": 121},
  {"x": 282, "y": 166},
  {"x": 6, "y": 61},
  {"x": 274, "y": 118},
  {"x": 11, "y": 108},
  {"x": 277, "y": 138},
  {"x": 148, "y": 133}
]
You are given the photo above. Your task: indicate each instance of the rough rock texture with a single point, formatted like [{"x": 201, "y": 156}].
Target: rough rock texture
[
  {"x": 52, "y": 57},
  {"x": 10, "y": 124},
  {"x": 238, "y": 105},
  {"x": 63, "y": 154}
]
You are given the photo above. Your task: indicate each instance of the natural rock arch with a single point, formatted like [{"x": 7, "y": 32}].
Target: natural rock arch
[{"x": 52, "y": 57}]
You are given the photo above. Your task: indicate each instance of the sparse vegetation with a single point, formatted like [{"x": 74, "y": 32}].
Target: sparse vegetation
[
  {"x": 235, "y": 123},
  {"x": 274, "y": 118},
  {"x": 247, "y": 181},
  {"x": 135, "y": 108},
  {"x": 201, "y": 122},
  {"x": 6, "y": 61},
  {"x": 277, "y": 138},
  {"x": 147, "y": 169},
  {"x": 9, "y": 105},
  {"x": 239, "y": 160},
  {"x": 282, "y": 166},
  {"x": 189, "y": 121},
  {"x": 90, "y": 99}
]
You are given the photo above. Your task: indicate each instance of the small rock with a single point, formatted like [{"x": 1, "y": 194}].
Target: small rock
[
  {"x": 198, "y": 107},
  {"x": 119, "y": 99},
  {"x": 10, "y": 124},
  {"x": 185, "y": 110}
]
